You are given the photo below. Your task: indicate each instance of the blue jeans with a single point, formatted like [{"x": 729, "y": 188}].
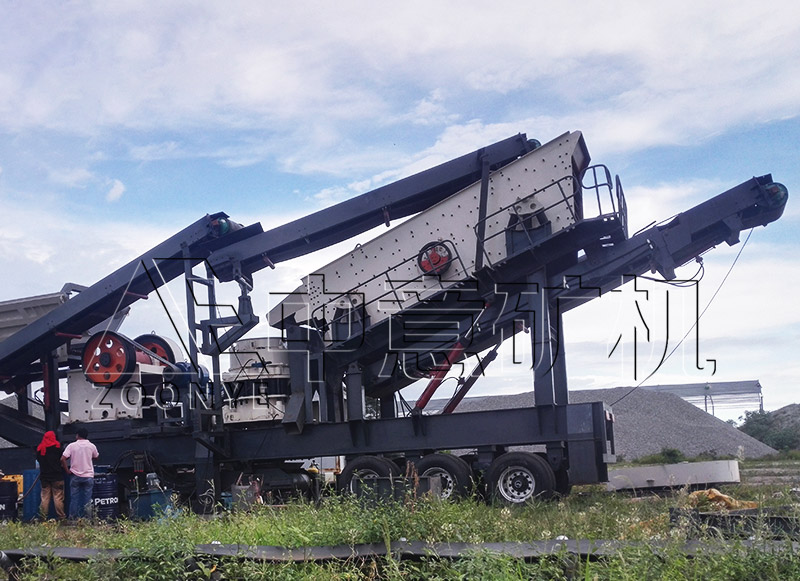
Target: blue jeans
[{"x": 80, "y": 489}]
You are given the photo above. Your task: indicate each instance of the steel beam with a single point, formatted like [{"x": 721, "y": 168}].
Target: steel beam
[
  {"x": 352, "y": 217},
  {"x": 113, "y": 293}
]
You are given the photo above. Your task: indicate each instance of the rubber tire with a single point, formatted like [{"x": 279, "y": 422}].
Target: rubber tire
[
  {"x": 544, "y": 479},
  {"x": 455, "y": 469},
  {"x": 365, "y": 467},
  {"x": 563, "y": 487},
  {"x": 395, "y": 469}
]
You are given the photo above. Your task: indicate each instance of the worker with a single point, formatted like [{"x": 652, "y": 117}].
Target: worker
[
  {"x": 80, "y": 454},
  {"x": 51, "y": 475}
]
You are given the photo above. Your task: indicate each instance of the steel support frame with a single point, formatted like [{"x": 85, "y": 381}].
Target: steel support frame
[
  {"x": 547, "y": 343},
  {"x": 438, "y": 432},
  {"x": 204, "y": 456},
  {"x": 52, "y": 395},
  {"x": 583, "y": 427},
  {"x": 586, "y": 435},
  {"x": 550, "y": 390}
]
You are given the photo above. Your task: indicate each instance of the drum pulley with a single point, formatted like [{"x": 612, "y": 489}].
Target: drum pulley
[
  {"x": 109, "y": 359},
  {"x": 435, "y": 258}
]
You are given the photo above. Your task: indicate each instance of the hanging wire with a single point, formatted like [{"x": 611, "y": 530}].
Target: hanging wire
[
  {"x": 686, "y": 283},
  {"x": 697, "y": 321},
  {"x": 408, "y": 408}
]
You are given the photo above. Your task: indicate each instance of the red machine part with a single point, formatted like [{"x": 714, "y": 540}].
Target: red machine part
[
  {"x": 157, "y": 345},
  {"x": 434, "y": 258},
  {"x": 108, "y": 359},
  {"x": 438, "y": 375}
]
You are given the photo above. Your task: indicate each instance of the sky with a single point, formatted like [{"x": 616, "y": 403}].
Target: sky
[{"x": 123, "y": 122}]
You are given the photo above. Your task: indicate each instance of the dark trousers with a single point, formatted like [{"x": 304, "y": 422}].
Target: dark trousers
[{"x": 80, "y": 489}]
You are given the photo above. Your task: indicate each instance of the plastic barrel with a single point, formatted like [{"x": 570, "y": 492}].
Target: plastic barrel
[
  {"x": 105, "y": 496},
  {"x": 32, "y": 491},
  {"x": 8, "y": 500},
  {"x": 147, "y": 505}
]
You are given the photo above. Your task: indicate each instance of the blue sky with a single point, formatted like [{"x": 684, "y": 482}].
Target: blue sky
[{"x": 122, "y": 122}]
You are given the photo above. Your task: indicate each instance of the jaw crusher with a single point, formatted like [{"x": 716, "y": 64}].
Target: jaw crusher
[{"x": 502, "y": 240}]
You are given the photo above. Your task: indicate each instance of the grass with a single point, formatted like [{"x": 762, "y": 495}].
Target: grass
[{"x": 163, "y": 545}]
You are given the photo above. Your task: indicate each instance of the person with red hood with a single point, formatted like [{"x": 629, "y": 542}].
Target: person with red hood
[{"x": 51, "y": 474}]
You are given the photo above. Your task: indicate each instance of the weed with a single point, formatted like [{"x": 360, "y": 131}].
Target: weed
[
  {"x": 163, "y": 549},
  {"x": 666, "y": 456}
]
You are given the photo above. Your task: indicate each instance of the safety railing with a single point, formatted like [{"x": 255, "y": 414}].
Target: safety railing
[
  {"x": 607, "y": 192},
  {"x": 572, "y": 198}
]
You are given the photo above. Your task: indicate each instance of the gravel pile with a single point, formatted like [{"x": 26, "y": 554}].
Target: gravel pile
[
  {"x": 787, "y": 417},
  {"x": 646, "y": 422}
]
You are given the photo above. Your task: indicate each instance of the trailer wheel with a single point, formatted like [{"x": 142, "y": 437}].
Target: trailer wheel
[
  {"x": 455, "y": 474},
  {"x": 519, "y": 477},
  {"x": 563, "y": 487},
  {"x": 365, "y": 468}
]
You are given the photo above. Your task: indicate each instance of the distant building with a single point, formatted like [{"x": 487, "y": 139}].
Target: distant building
[{"x": 719, "y": 395}]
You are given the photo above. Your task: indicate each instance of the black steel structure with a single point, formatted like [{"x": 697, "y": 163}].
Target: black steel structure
[{"x": 520, "y": 266}]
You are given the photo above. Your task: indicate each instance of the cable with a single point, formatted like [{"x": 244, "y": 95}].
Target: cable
[
  {"x": 686, "y": 283},
  {"x": 33, "y": 485},
  {"x": 716, "y": 292},
  {"x": 404, "y": 404}
]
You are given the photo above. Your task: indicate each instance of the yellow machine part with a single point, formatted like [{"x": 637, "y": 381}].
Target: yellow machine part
[{"x": 15, "y": 478}]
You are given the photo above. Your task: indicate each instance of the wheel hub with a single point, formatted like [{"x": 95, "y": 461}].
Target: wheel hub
[
  {"x": 516, "y": 484},
  {"x": 365, "y": 474},
  {"x": 448, "y": 482}
]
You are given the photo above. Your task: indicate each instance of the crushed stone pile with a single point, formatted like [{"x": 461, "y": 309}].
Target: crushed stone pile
[
  {"x": 646, "y": 421},
  {"x": 787, "y": 417}
]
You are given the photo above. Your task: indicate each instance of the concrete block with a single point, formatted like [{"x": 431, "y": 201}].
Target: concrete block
[{"x": 694, "y": 474}]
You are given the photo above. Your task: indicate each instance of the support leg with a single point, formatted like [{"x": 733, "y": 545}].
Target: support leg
[
  {"x": 52, "y": 415},
  {"x": 549, "y": 363},
  {"x": 355, "y": 393}
]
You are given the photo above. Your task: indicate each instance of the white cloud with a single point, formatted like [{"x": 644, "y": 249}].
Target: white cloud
[
  {"x": 116, "y": 191},
  {"x": 432, "y": 110},
  {"x": 649, "y": 75},
  {"x": 328, "y": 196},
  {"x": 59, "y": 250},
  {"x": 72, "y": 177},
  {"x": 157, "y": 151},
  {"x": 318, "y": 87},
  {"x": 15, "y": 247}
]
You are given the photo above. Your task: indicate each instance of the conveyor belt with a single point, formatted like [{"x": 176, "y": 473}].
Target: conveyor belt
[
  {"x": 113, "y": 293},
  {"x": 249, "y": 249}
]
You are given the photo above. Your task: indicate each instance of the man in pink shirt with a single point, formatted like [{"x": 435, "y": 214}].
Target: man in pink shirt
[{"x": 80, "y": 454}]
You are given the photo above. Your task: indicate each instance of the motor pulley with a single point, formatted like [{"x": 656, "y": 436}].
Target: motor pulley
[
  {"x": 435, "y": 258},
  {"x": 162, "y": 347}
]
